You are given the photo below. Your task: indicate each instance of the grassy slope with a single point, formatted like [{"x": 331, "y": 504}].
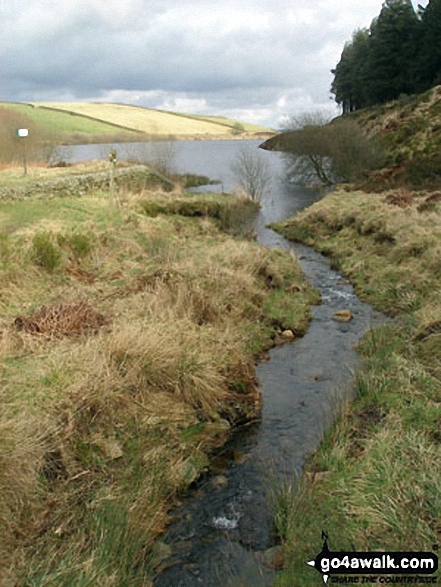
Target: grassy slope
[
  {"x": 382, "y": 483},
  {"x": 245, "y": 126},
  {"x": 410, "y": 130},
  {"x": 409, "y": 125},
  {"x": 152, "y": 122},
  {"x": 52, "y": 124},
  {"x": 101, "y": 429}
]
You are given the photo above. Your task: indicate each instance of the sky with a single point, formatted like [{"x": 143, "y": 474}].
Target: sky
[{"x": 259, "y": 61}]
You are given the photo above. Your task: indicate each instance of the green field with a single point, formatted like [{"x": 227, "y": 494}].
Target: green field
[
  {"x": 53, "y": 123},
  {"x": 154, "y": 122}
]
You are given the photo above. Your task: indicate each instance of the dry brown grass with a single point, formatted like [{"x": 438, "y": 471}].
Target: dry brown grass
[{"x": 24, "y": 442}]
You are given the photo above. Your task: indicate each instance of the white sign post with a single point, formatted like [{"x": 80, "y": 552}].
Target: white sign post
[{"x": 23, "y": 133}]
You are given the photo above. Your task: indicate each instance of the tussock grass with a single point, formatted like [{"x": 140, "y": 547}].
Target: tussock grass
[
  {"x": 383, "y": 454},
  {"x": 100, "y": 431},
  {"x": 390, "y": 253}
]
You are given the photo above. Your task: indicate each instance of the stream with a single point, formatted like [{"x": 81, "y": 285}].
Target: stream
[{"x": 218, "y": 535}]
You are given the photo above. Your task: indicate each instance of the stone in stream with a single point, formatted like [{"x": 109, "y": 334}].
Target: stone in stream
[
  {"x": 288, "y": 335},
  {"x": 343, "y": 316},
  {"x": 220, "y": 482}
]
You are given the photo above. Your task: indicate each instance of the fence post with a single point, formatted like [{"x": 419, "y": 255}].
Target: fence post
[{"x": 113, "y": 161}]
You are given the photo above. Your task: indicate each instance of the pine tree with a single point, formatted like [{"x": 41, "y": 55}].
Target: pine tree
[
  {"x": 393, "y": 52},
  {"x": 350, "y": 73},
  {"x": 430, "y": 53}
]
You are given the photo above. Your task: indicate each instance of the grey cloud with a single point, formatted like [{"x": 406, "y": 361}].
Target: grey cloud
[{"x": 235, "y": 55}]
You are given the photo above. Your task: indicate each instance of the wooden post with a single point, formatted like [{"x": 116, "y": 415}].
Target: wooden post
[
  {"x": 25, "y": 162},
  {"x": 113, "y": 160},
  {"x": 23, "y": 133}
]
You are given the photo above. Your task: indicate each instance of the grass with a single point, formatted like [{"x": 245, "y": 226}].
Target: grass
[
  {"x": 11, "y": 175},
  {"x": 149, "y": 121},
  {"x": 79, "y": 122},
  {"x": 381, "y": 489},
  {"x": 48, "y": 120},
  {"x": 119, "y": 367}
]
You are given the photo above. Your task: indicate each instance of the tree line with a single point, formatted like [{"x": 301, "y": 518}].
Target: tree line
[{"x": 399, "y": 54}]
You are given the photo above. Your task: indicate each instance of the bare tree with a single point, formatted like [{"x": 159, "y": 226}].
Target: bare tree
[{"x": 252, "y": 172}]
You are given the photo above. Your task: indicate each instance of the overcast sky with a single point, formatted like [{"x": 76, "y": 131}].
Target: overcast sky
[{"x": 255, "y": 60}]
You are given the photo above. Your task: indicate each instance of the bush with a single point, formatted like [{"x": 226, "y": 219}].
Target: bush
[
  {"x": 44, "y": 253},
  {"x": 80, "y": 245}
]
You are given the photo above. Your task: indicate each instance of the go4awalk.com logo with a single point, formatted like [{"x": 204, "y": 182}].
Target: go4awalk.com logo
[{"x": 375, "y": 567}]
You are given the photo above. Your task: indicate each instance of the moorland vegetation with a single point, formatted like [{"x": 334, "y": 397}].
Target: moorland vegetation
[{"x": 128, "y": 335}]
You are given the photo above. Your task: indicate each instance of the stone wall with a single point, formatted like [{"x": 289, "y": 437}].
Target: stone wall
[{"x": 131, "y": 178}]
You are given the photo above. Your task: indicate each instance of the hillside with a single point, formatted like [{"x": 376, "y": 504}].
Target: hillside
[
  {"x": 155, "y": 123},
  {"x": 67, "y": 127},
  {"x": 410, "y": 130}
]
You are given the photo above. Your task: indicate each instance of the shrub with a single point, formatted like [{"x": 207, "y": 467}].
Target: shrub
[
  {"x": 79, "y": 244},
  {"x": 44, "y": 253}
]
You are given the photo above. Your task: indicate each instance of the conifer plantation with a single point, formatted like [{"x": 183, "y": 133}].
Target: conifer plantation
[{"x": 399, "y": 54}]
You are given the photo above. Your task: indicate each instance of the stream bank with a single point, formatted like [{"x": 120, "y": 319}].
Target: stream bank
[
  {"x": 221, "y": 532},
  {"x": 382, "y": 457}
]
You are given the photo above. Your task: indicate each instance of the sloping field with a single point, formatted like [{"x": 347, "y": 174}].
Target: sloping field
[
  {"x": 149, "y": 121},
  {"x": 50, "y": 122}
]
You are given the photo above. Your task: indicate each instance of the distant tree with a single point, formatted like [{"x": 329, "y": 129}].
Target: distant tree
[
  {"x": 350, "y": 73},
  {"x": 399, "y": 54},
  {"x": 238, "y": 128}
]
